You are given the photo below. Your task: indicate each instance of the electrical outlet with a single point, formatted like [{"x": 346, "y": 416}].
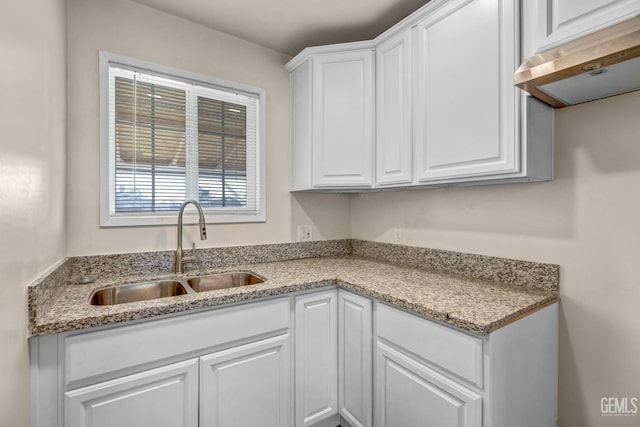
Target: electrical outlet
[
  {"x": 397, "y": 235},
  {"x": 304, "y": 233}
]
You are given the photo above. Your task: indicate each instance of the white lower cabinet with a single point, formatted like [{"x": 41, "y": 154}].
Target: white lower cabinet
[
  {"x": 243, "y": 386},
  {"x": 162, "y": 397},
  {"x": 356, "y": 361},
  {"x": 247, "y": 385},
  {"x": 316, "y": 357},
  {"x": 428, "y": 374},
  {"x": 229, "y": 367},
  {"x": 409, "y": 394},
  {"x": 355, "y": 364}
]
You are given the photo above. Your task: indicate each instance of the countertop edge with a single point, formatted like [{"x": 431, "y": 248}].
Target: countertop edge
[{"x": 175, "y": 307}]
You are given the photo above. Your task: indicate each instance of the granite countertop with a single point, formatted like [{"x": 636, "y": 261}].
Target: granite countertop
[{"x": 475, "y": 305}]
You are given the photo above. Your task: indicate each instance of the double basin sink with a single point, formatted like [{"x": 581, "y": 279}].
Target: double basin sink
[{"x": 173, "y": 287}]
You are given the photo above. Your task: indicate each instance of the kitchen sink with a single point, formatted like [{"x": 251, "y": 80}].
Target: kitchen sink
[
  {"x": 223, "y": 281},
  {"x": 122, "y": 294},
  {"x": 137, "y": 292}
]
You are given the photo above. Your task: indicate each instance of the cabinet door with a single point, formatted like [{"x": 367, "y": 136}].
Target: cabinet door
[
  {"x": 301, "y": 119},
  {"x": 162, "y": 397},
  {"x": 355, "y": 364},
  {"x": 559, "y": 21},
  {"x": 409, "y": 394},
  {"x": 465, "y": 108},
  {"x": 316, "y": 363},
  {"x": 247, "y": 386},
  {"x": 393, "y": 110},
  {"x": 343, "y": 119}
]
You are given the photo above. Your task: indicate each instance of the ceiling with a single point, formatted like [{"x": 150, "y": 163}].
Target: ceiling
[{"x": 288, "y": 26}]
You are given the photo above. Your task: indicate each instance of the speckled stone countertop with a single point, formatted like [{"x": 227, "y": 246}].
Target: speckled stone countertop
[{"x": 478, "y": 305}]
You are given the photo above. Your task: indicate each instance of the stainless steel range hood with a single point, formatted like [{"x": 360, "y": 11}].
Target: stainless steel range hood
[{"x": 601, "y": 64}]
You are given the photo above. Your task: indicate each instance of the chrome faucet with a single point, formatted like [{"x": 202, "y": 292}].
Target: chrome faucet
[{"x": 181, "y": 260}]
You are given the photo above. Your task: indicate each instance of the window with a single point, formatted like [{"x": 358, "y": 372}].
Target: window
[{"x": 169, "y": 135}]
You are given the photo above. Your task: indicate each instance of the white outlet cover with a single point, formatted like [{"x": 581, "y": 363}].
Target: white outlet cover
[{"x": 304, "y": 233}]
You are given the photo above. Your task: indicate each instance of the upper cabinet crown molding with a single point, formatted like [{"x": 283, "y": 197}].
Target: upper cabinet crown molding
[
  {"x": 312, "y": 51},
  {"x": 443, "y": 108}
]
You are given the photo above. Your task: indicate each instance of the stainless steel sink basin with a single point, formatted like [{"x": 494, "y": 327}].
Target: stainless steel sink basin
[
  {"x": 223, "y": 281},
  {"x": 137, "y": 292},
  {"x": 145, "y": 291}
]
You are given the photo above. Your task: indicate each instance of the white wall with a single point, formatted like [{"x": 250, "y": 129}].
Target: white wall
[
  {"x": 587, "y": 220},
  {"x": 130, "y": 29},
  {"x": 32, "y": 177}
]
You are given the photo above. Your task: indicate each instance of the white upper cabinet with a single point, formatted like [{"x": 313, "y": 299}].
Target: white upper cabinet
[
  {"x": 446, "y": 108},
  {"x": 465, "y": 109},
  {"x": 300, "y": 116},
  {"x": 393, "y": 110},
  {"x": 332, "y": 121},
  {"x": 554, "y": 22}
]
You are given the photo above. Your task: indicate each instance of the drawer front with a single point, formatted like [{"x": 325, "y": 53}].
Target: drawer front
[
  {"x": 98, "y": 353},
  {"x": 456, "y": 352}
]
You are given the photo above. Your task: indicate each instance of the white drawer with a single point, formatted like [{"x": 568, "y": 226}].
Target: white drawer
[
  {"x": 456, "y": 352},
  {"x": 97, "y": 353}
]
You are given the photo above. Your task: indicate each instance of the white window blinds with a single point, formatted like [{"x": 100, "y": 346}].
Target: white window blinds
[
  {"x": 172, "y": 140},
  {"x": 150, "y": 126}
]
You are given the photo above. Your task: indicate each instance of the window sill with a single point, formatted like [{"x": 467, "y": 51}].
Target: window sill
[{"x": 172, "y": 219}]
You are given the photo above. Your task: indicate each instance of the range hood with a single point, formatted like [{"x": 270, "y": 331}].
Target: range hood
[{"x": 604, "y": 63}]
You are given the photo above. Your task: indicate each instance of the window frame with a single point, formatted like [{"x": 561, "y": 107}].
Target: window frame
[{"x": 108, "y": 216}]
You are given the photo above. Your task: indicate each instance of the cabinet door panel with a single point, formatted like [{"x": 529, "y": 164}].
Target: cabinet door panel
[
  {"x": 247, "y": 386},
  {"x": 558, "y": 21},
  {"x": 162, "y": 397},
  {"x": 316, "y": 357},
  {"x": 393, "y": 110},
  {"x": 301, "y": 116},
  {"x": 355, "y": 364},
  {"x": 409, "y": 394},
  {"x": 343, "y": 119},
  {"x": 466, "y": 102}
]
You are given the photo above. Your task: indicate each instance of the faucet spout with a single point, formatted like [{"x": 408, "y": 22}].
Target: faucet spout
[{"x": 181, "y": 260}]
